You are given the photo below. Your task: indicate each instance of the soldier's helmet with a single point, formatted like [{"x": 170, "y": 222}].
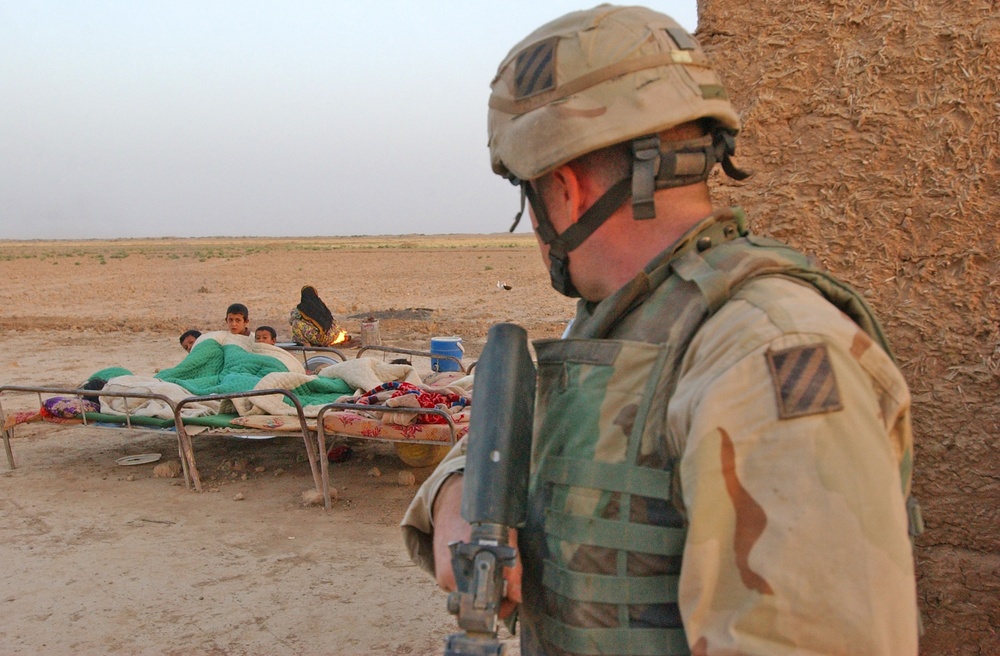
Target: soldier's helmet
[{"x": 595, "y": 78}]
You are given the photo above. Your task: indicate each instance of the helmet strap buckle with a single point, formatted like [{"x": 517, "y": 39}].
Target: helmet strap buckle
[
  {"x": 645, "y": 166},
  {"x": 520, "y": 212},
  {"x": 559, "y": 275}
]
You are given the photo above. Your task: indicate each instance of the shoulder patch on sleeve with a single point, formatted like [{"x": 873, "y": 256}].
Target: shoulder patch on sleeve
[{"x": 803, "y": 381}]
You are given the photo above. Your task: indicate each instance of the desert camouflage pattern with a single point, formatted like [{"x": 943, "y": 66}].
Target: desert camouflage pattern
[
  {"x": 595, "y": 78},
  {"x": 772, "y": 433}
]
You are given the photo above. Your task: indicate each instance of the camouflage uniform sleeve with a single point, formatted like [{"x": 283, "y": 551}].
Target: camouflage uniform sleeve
[
  {"x": 418, "y": 522},
  {"x": 796, "y": 456}
]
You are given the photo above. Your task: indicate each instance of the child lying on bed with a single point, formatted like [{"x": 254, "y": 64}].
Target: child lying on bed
[{"x": 265, "y": 335}]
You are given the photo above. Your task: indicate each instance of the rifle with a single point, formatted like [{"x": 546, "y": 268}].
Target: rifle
[{"x": 494, "y": 488}]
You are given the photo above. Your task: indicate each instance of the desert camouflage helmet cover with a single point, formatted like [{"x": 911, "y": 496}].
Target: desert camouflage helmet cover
[{"x": 595, "y": 78}]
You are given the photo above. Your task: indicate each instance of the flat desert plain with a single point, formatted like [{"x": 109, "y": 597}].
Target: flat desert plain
[{"x": 100, "y": 558}]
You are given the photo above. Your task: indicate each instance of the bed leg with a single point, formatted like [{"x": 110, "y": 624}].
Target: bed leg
[
  {"x": 6, "y": 446},
  {"x": 313, "y": 464},
  {"x": 184, "y": 463},
  {"x": 187, "y": 459},
  {"x": 324, "y": 467}
]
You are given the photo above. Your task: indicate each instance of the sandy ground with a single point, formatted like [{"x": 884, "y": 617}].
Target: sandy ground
[{"x": 100, "y": 558}]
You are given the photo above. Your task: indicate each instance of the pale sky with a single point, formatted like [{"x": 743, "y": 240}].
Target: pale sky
[{"x": 136, "y": 118}]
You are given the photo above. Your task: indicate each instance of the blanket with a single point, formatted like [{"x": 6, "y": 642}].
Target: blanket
[
  {"x": 341, "y": 381},
  {"x": 313, "y": 392},
  {"x": 116, "y": 405},
  {"x": 368, "y": 373},
  {"x": 222, "y": 363},
  {"x": 219, "y": 363}
]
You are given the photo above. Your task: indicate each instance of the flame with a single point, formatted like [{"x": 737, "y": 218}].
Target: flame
[{"x": 341, "y": 337}]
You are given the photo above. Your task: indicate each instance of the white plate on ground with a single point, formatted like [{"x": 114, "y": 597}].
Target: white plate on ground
[{"x": 140, "y": 459}]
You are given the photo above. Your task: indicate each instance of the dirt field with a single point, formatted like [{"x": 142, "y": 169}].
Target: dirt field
[{"x": 100, "y": 558}]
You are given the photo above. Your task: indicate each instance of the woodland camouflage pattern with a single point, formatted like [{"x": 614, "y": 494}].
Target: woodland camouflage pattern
[{"x": 786, "y": 443}]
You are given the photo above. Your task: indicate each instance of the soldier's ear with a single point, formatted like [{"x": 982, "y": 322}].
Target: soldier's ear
[{"x": 567, "y": 188}]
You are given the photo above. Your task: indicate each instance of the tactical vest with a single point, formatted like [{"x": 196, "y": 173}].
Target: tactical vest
[{"x": 603, "y": 540}]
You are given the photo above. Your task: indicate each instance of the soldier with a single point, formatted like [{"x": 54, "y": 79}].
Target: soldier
[{"x": 722, "y": 444}]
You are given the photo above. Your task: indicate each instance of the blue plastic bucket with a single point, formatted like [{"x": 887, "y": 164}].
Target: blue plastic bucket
[{"x": 446, "y": 346}]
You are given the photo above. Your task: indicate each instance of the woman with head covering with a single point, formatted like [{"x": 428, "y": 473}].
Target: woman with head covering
[{"x": 312, "y": 322}]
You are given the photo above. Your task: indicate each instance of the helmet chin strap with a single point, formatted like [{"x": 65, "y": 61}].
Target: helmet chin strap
[
  {"x": 561, "y": 245},
  {"x": 680, "y": 164}
]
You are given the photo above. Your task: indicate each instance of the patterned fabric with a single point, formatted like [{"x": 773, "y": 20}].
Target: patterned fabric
[
  {"x": 20, "y": 417},
  {"x": 353, "y": 424},
  {"x": 68, "y": 407},
  {"x": 598, "y": 524},
  {"x": 307, "y": 333},
  {"x": 425, "y": 399}
]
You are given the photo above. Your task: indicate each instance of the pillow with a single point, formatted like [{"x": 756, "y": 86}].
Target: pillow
[{"x": 69, "y": 407}]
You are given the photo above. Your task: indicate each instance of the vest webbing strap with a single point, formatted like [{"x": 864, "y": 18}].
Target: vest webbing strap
[
  {"x": 712, "y": 283},
  {"x": 634, "y": 642},
  {"x": 612, "y": 477},
  {"x": 610, "y": 589},
  {"x": 612, "y": 534}
]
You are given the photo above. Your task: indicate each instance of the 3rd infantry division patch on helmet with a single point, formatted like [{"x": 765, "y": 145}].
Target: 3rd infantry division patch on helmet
[{"x": 593, "y": 79}]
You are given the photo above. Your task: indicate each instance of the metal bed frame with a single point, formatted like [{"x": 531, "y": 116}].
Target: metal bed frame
[
  {"x": 315, "y": 450},
  {"x": 185, "y": 447}
]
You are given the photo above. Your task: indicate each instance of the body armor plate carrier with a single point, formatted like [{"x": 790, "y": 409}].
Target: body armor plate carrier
[{"x": 604, "y": 538}]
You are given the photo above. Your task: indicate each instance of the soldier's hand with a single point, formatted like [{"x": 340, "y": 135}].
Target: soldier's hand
[{"x": 450, "y": 527}]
